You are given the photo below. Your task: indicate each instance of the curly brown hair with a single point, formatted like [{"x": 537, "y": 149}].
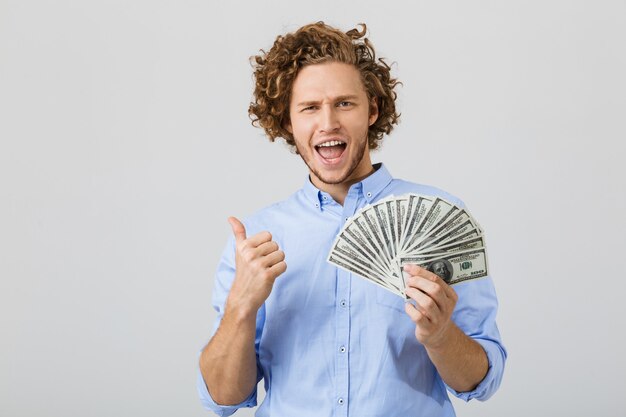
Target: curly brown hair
[{"x": 316, "y": 43}]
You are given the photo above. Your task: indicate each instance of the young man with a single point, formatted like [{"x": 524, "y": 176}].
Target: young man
[{"x": 326, "y": 342}]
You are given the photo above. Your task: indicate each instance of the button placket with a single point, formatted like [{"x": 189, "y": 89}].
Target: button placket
[
  {"x": 343, "y": 337},
  {"x": 344, "y": 279}
]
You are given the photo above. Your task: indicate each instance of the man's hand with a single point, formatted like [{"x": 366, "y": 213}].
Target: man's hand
[
  {"x": 460, "y": 360},
  {"x": 228, "y": 362},
  {"x": 258, "y": 262},
  {"x": 435, "y": 301}
]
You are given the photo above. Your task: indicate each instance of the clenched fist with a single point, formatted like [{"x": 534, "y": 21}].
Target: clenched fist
[{"x": 258, "y": 262}]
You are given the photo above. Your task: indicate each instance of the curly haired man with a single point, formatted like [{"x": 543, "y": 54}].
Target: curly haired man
[{"x": 325, "y": 343}]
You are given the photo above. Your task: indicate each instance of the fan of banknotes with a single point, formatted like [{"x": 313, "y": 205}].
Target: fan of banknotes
[{"x": 411, "y": 229}]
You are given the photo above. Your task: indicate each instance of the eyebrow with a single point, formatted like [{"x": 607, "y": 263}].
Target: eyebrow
[{"x": 336, "y": 99}]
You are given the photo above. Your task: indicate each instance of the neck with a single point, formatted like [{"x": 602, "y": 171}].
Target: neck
[{"x": 339, "y": 191}]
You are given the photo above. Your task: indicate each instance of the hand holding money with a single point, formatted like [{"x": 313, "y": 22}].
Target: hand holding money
[
  {"x": 258, "y": 262},
  {"x": 434, "y": 303}
]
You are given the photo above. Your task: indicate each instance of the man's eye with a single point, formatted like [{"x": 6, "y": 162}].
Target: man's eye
[
  {"x": 344, "y": 104},
  {"x": 309, "y": 108}
]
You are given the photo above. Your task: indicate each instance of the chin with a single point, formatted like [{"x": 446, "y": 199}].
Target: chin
[{"x": 332, "y": 177}]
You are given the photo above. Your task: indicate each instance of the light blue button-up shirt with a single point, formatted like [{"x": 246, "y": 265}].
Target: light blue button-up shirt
[{"x": 330, "y": 343}]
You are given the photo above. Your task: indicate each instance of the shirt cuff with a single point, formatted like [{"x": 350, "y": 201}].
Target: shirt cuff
[
  {"x": 221, "y": 410},
  {"x": 490, "y": 383}
]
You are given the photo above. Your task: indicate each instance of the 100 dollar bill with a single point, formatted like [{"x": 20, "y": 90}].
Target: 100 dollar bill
[{"x": 453, "y": 268}]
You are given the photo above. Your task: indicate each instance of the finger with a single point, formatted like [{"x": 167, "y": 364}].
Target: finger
[
  {"x": 415, "y": 272},
  {"x": 258, "y": 239},
  {"x": 411, "y": 269},
  {"x": 239, "y": 230},
  {"x": 416, "y": 316},
  {"x": 266, "y": 248},
  {"x": 273, "y": 258},
  {"x": 437, "y": 291},
  {"x": 277, "y": 269},
  {"x": 424, "y": 303},
  {"x": 425, "y": 284}
]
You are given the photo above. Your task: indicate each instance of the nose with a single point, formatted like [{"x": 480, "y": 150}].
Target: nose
[{"x": 329, "y": 120}]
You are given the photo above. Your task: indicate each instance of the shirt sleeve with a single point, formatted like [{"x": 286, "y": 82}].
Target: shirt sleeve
[
  {"x": 475, "y": 314},
  {"x": 223, "y": 281},
  {"x": 221, "y": 410}
]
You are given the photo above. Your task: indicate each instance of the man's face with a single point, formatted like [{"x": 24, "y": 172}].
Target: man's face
[
  {"x": 440, "y": 269},
  {"x": 330, "y": 116}
]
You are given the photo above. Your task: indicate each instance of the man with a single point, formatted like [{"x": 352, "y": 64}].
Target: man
[
  {"x": 326, "y": 342},
  {"x": 442, "y": 268}
]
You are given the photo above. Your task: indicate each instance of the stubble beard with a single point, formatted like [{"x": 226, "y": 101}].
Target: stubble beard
[{"x": 354, "y": 163}]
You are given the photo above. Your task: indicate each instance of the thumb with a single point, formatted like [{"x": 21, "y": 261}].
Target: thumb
[{"x": 239, "y": 229}]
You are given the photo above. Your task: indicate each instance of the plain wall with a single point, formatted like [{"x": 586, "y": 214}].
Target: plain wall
[{"x": 125, "y": 144}]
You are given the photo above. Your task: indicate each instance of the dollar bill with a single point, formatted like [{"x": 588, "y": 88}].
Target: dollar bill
[
  {"x": 417, "y": 207},
  {"x": 455, "y": 222},
  {"x": 349, "y": 265},
  {"x": 347, "y": 246},
  {"x": 358, "y": 229},
  {"x": 454, "y": 267},
  {"x": 476, "y": 242}
]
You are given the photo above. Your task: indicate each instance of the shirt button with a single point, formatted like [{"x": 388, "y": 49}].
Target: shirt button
[
  {"x": 325, "y": 198},
  {"x": 342, "y": 349},
  {"x": 369, "y": 195},
  {"x": 340, "y": 401},
  {"x": 317, "y": 205},
  {"x": 343, "y": 303}
]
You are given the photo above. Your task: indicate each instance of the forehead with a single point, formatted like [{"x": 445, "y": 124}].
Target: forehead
[{"x": 327, "y": 80}]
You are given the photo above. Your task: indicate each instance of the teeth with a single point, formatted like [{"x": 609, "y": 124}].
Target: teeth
[{"x": 331, "y": 143}]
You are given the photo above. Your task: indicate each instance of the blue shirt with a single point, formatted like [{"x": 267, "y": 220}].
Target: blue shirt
[{"x": 329, "y": 343}]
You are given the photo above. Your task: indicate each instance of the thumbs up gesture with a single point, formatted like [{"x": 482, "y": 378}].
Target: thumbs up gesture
[{"x": 258, "y": 262}]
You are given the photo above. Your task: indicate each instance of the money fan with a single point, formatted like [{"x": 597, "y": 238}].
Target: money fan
[{"x": 424, "y": 230}]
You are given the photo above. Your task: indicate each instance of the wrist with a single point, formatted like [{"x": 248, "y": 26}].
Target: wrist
[
  {"x": 240, "y": 312},
  {"x": 446, "y": 339}
]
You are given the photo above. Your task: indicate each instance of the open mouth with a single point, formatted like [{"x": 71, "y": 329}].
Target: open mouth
[{"x": 331, "y": 150}]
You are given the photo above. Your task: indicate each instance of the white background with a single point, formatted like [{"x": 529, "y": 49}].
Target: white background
[{"x": 125, "y": 143}]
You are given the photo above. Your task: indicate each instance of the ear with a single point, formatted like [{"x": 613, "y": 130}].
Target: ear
[
  {"x": 286, "y": 124},
  {"x": 373, "y": 111}
]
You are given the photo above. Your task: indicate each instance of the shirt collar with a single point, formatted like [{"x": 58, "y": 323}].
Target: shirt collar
[{"x": 369, "y": 188}]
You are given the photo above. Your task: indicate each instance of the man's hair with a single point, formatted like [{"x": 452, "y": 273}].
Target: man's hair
[{"x": 317, "y": 43}]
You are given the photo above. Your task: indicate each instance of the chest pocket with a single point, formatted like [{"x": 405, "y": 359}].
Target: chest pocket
[
  {"x": 389, "y": 299},
  {"x": 305, "y": 285}
]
